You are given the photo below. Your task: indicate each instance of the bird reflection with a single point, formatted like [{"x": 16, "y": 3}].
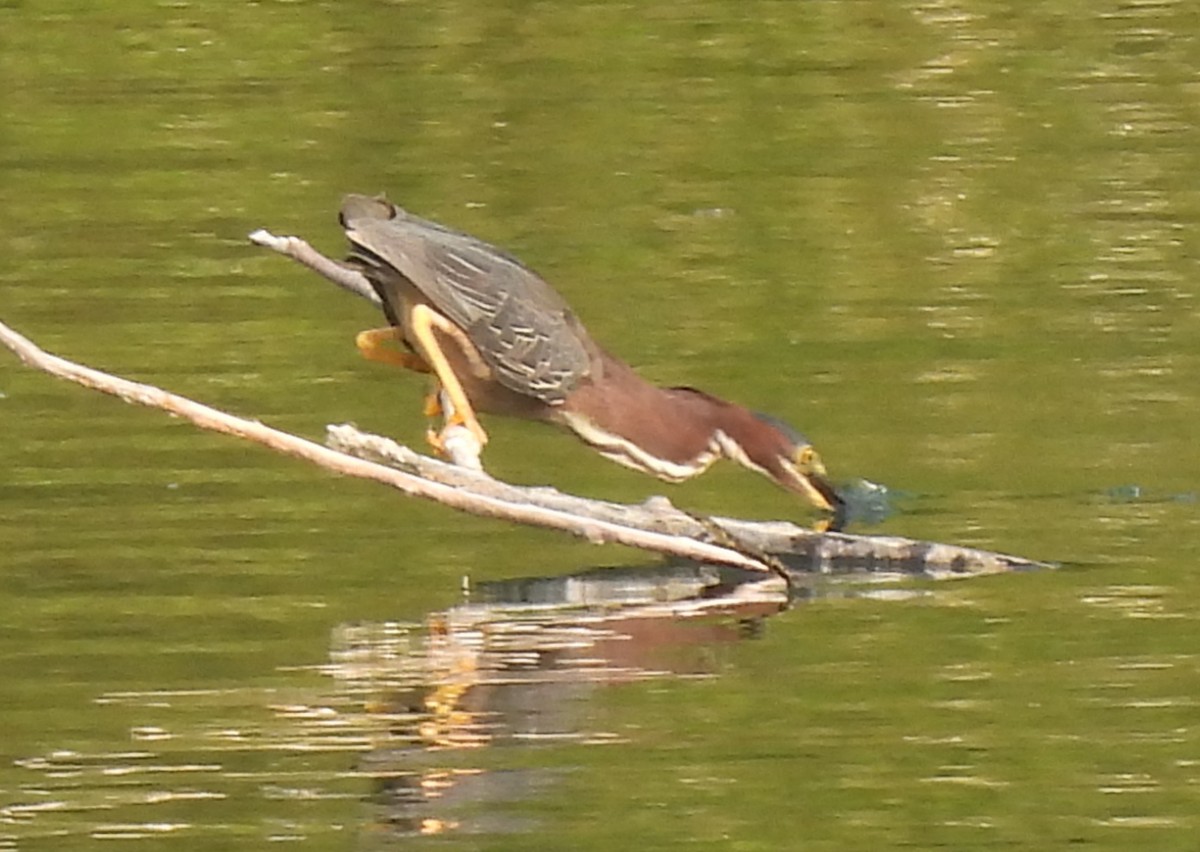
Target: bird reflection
[{"x": 511, "y": 666}]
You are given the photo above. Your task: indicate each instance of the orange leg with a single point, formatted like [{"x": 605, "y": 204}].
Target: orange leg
[
  {"x": 433, "y": 403},
  {"x": 433, "y": 409},
  {"x": 424, "y": 320},
  {"x": 371, "y": 344}
]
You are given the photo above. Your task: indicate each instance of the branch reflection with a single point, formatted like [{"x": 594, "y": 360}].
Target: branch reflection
[{"x": 511, "y": 666}]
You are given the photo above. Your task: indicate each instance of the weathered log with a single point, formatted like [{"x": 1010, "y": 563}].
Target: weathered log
[{"x": 801, "y": 551}]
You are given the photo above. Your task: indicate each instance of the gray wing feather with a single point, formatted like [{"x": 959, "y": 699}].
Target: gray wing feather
[{"x": 522, "y": 327}]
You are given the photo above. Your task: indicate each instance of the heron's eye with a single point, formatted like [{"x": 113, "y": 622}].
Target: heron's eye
[{"x": 804, "y": 457}]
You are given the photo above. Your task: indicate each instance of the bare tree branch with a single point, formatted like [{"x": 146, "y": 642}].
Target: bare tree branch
[
  {"x": 598, "y": 531},
  {"x": 654, "y": 525},
  {"x": 345, "y": 277}
]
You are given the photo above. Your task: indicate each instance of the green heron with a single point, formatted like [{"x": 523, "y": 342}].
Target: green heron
[{"x": 501, "y": 340}]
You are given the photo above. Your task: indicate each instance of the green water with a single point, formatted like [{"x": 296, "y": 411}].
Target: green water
[{"x": 955, "y": 243}]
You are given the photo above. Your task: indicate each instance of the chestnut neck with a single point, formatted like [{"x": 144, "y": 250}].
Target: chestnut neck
[{"x": 673, "y": 433}]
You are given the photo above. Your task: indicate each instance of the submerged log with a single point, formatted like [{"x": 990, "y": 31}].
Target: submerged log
[{"x": 802, "y": 551}]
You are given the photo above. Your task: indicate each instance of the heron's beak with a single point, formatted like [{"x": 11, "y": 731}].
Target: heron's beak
[{"x": 805, "y": 474}]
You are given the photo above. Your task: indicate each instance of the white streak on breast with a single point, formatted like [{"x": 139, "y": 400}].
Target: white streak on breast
[{"x": 626, "y": 453}]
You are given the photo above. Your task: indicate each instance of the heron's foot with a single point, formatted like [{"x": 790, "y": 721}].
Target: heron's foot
[
  {"x": 457, "y": 444},
  {"x": 437, "y": 438},
  {"x": 434, "y": 439},
  {"x": 374, "y": 346},
  {"x": 456, "y": 418}
]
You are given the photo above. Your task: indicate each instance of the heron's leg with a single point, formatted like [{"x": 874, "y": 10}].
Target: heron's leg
[
  {"x": 432, "y": 409},
  {"x": 455, "y": 441},
  {"x": 371, "y": 344},
  {"x": 424, "y": 321},
  {"x": 433, "y": 403}
]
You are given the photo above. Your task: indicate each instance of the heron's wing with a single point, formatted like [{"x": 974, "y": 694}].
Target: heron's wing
[{"x": 522, "y": 327}]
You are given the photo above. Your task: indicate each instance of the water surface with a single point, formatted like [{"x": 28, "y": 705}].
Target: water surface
[{"x": 953, "y": 243}]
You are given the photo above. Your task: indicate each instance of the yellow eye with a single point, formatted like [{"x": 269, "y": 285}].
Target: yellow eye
[{"x": 808, "y": 462}]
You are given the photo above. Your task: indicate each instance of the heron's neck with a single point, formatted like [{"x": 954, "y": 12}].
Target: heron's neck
[{"x": 671, "y": 433}]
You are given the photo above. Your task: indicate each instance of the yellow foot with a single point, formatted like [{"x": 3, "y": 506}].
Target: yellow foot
[
  {"x": 434, "y": 439},
  {"x": 457, "y": 444},
  {"x": 472, "y": 425},
  {"x": 376, "y": 345},
  {"x": 437, "y": 404},
  {"x": 437, "y": 439}
]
